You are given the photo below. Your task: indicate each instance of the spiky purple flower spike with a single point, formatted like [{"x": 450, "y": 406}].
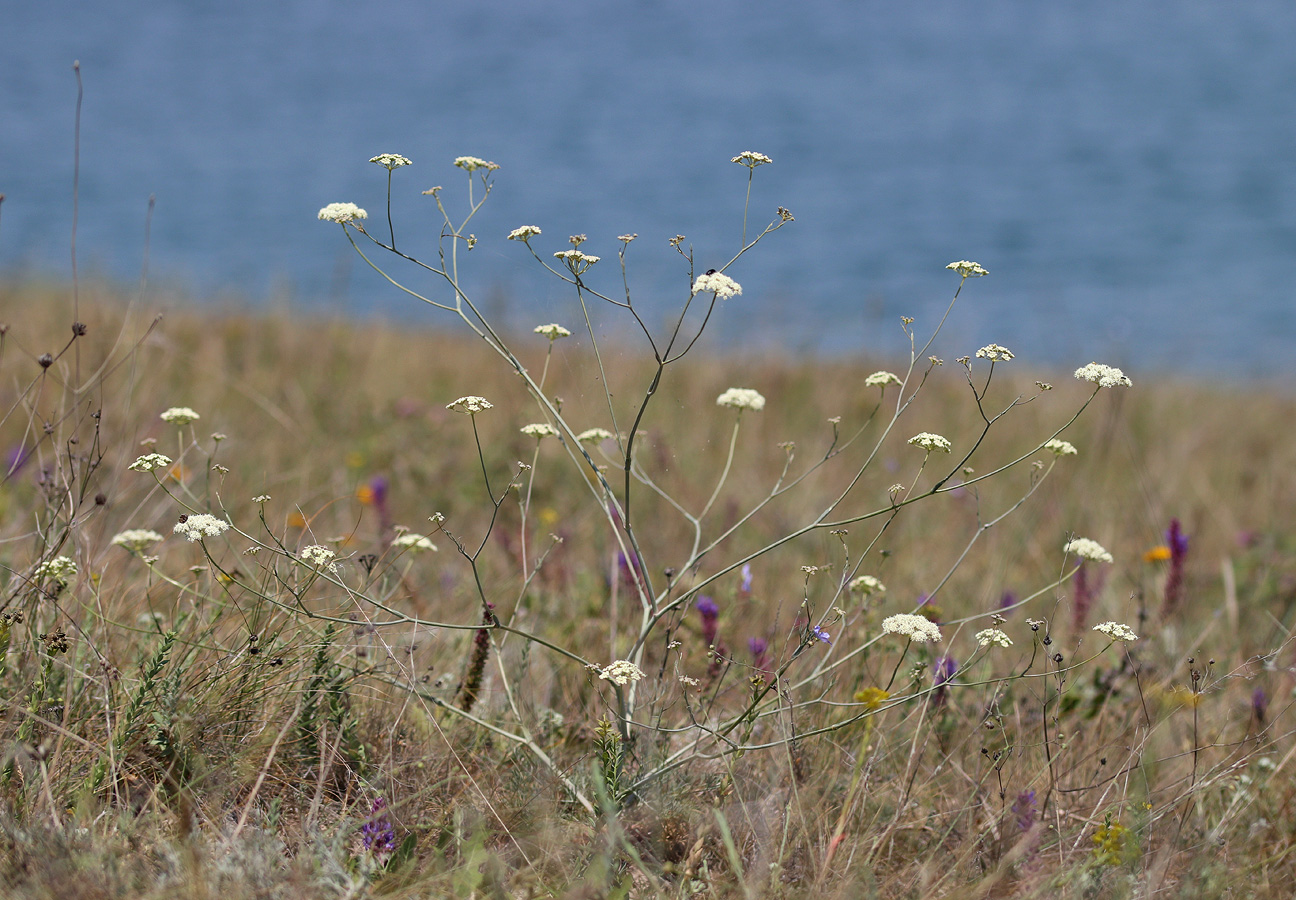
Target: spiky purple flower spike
[
  {"x": 378, "y": 834},
  {"x": 759, "y": 648},
  {"x": 710, "y": 613},
  {"x": 1177, "y": 541}
]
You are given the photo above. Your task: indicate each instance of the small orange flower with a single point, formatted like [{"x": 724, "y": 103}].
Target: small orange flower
[
  {"x": 1157, "y": 554},
  {"x": 365, "y": 495},
  {"x": 296, "y": 520}
]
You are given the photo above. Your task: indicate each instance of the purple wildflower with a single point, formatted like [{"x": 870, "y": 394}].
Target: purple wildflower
[
  {"x": 1177, "y": 541},
  {"x": 1008, "y": 600},
  {"x": 745, "y": 584},
  {"x": 1259, "y": 706},
  {"x": 758, "y": 647},
  {"x": 821, "y": 635},
  {"x": 946, "y": 666},
  {"x": 710, "y": 614},
  {"x": 378, "y": 833},
  {"x": 1024, "y": 810},
  {"x": 1081, "y": 600}
]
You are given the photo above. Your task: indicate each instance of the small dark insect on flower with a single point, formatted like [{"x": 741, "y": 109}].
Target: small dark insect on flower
[
  {"x": 709, "y": 272},
  {"x": 184, "y": 518}
]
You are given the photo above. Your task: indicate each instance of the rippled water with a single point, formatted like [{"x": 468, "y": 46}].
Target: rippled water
[{"x": 1125, "y": 171}]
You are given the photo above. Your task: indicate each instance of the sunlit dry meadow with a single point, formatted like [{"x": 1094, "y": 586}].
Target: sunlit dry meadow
[{"x": 193, "y": 719}]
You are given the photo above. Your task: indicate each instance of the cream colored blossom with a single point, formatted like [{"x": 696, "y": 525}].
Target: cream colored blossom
[
  {"x": 180, "y": 415},
  {"x": 967, "y": 268},
  {"x": 414, "y": 543},
  {"x": 717, "y": 283},
  {"x": 539, "y": 430},
  {"x": 594, "y": 435},
  {"x": 318, "y": 556},
  {"x": 995, "y": 353},
  {"x": 553, "y": 331},
  {"x": 1116, "y": 631},
  {"x": 136, "y": 540},
  {"x": 470, "y": 405},
  {"x": 199, "y": 526},
  {"x": 150, "y": 461},
  {"x": 867, "y": 584},
  {"x": 882, "y": 379},
  {"x": 751, "y": 159},
  {"x": 916, "y": 628},
  {"x": 993, "y": 636},
  {"x": 622, "y": 672},
  {"x": 473, "y": 163},
  {"x": 342, "y": 213},
  {"x": 524, "y": 234},
  {"x": 741, "y": 398},
  {"x": 930, "y": 442},
  {"x": 1060, "y": 448},
  {"x": 390, "y": 160},
  {"x": 1087, "y": 549},
  {"x": 61, "y": 569},
  {"x": 1103, "y": 376}
]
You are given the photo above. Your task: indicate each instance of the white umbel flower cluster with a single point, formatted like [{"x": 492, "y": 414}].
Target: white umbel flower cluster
[
  {"x": 594, "y": 435},
  {"x": 741, "y": 398},
  {"x": 553, "y": 331},
  {"x": 470, "y": 405},
  {"x": 414, "y": 543},
  {"x": 717, "y": 283},
  {"x": 197, "y": 527},
  {"x": 1103, "y": 376},
  {"x": 150, "y": 461},
  {"x": 1060, "y": 448},
  {"x": 390, "y": 161},
  {"x": 342, "y": 213},
  {"x": 882, "y": 379},
  {"x": 967, "y": 268},
  {"x": 473, "y": 163},
  {"x": 136, "y": 540},
  {"x": 61, "y": 569},
  {"x": 916, "y": 628},
  {"x": 1117, "y": 632},
  {"x": 751, "y": 159},
  {"x": 930, "y": 442},
  {"x": 995, "y": 353},
  {"x": 524, "y": 234},
  {"x": 867, "y": 584},
  {"x": 539, "y": 430},
  {"x": 1087, "y": 549},
  {"x": 993, "y": 636},
  {"x": 180, "y": 415},
  {"x": 319, "y": 557},
  {"x": 622, "y": 672}
]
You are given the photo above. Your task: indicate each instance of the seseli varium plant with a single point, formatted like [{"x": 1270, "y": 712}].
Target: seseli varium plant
[{"x": 648, "y": 679}]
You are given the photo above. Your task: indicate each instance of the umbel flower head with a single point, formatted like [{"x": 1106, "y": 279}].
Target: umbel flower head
[
  {"x": 1103, "y": 376},
  {"x": 1087, "y": 549},
  {"x": 553, "y": 331},
  {"x": 524, "y": 234},
  {"x": 1116, "y": 631},
  {"x": 575, "y": 260},
  {"x": 882, "y": 379},
  {"x": 993, "y": 636},
  {"x": 967, "y": 269},
  {"x": 136, "y": 540},
  {"x": 622, "y": 672},
  {"x": 473, "y": 163},
  {"x": 413, "y": 543},
  {"x": 470, "y": 405},
  {"x": 866, "y": 584},
  {"x": 917, "y": 628},
  {"x": 594, "y": 435},
  {"x": 390, "y": 160},
  {"x": 342, "y": 213},
  {"x": 930, "y": 442},
  {"x": 150, "y": 461},
  {"x": 751, "y": 159},
  {"x": 994, "y": 353},
  {"x": 539, "y": 430},
  {"x": 717, "y": 283},
  {"x": 1060, "y": 448},
  {"x": 180, "y": 415},
  {"x": 741, "y": 398},
  {"x": 60, "y": 569},
  {"x": 319, "y": 557},
  {"x": 197, "y": 527}
]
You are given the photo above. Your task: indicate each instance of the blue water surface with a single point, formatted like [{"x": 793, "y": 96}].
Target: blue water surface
[{"x": 1124, "y": 170}]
